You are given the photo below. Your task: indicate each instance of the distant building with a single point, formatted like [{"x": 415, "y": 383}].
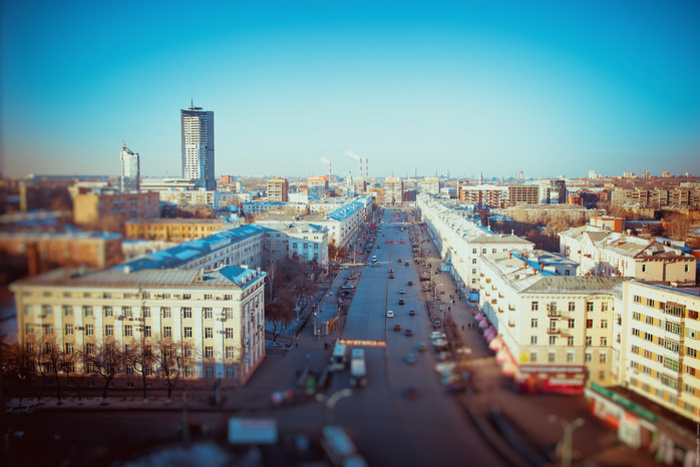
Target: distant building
[
  {"x": 90, "y": 209},
  {"x": 523, "y": 194},
  {"x": 393, "y": 191},
  {"x": 277, "y": 190},
  {"x": 195, "y": 198},
  {"x": 552, "y": 192},
  {"x": 484, "y": 195},
  {"x": 131, "y": 170},
  {"x": 430, "y": 185},
  {"x": 198, "y": 146},
  {"x": 360, "y": 186},
  {"x": 317, "y": 187},
  {"x": 172, "y": 230}
]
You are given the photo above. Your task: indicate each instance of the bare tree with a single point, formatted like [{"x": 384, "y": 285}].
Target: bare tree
[
  {"x": 107, "y": 361},
  {"x": 169, "y": 360},
  {"x": 19, "y": 367},
  {"x": 140, "y": 358},
  {"x": 280, "y": 312},
  {"x": 53, "y": 360}
]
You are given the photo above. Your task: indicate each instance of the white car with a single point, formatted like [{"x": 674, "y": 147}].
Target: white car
[
  {"x": 402, "y": 291},
  {"x": 437, "y": 335},
  {"x": 389, "y": 314},
  {"x": 343, "y": 267}
]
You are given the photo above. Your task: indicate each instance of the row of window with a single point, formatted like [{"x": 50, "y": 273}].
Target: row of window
[
  {"x": 570, "y": 357},
  {"x": 126, "y": 311},
  {"x": 89, "y": 330},
  {"x": 552, "y": 306},
  {"x": 570, "y": 341}
]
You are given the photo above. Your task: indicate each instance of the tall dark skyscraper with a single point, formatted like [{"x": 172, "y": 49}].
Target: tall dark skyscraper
[{"x": 198, "y": 146}]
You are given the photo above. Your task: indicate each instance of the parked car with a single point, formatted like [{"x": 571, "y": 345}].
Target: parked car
[
  {"x": 391, "y": 271},
  {"x": 389, "y": 314},
  {"x": 440, "y": 344},
  {"x": 408, "y": 332},
  {"x": 20, "y": 409},
  {"x": 342, "y": 268},
  {"x": 443, "y": 356},
  {"x": 437, "y": 335},
  {"x": 436, "y": 324},
  {"x": 348, "y": 287}
]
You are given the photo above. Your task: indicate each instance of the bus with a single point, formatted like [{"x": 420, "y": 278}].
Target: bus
[
  {"x": 358, "y": 370},
  {"x": 339, "y": 448},
  {"x": 339, "y": 358}
]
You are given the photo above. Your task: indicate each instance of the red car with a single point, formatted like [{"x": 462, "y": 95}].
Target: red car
[
  {"x": 408, "y": 332},
  {"x": 397, "y": 327}
]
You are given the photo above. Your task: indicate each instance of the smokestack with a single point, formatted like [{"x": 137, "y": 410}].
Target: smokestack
[
  {"x": 366, "y": 168},
  {"x": 360, "y": 167}
]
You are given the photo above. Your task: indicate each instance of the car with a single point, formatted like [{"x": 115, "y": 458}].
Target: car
[
  {"x": 348, "y": 287},
  {"x": 379, "y": 247},
  {"x": 391, "y": 271},
  {"x": 422, "y": 347},
  {"x": 342, "y": 268},
  {"x": 436, "y": 324},
  {"x": 410, "y": 283},
  {"x": 389, "y": 314},
  {"x": 406, "y": 264},
  {"x": 410, "y": 359},
  {"x": 402, "y": 291},
  {"x": 399, "y": 261},
  {"x": 391, "y": 276},
  {"x": 437, "y": 335},
  {"x": 401, "y": 302},
  {"x": 20, "y": 409},
  {"x": 445, "y": 368},
  {"x": 411, "y": 312},
  {"x": 397, "y": 327},
  {"x": 440, "y": 344},
  {"x": 408, "y": 332}
]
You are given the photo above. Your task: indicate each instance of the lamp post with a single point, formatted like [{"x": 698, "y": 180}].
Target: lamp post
[{"x": 567, "y": 440}]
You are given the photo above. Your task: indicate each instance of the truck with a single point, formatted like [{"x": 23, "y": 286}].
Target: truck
[{"x": 358, "y": 369}]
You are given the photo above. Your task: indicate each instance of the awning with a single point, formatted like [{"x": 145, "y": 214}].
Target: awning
[
  {"x": 501, "y": 355},
  {"x": 496, "y": 345},
  {"x": 479, "y": 317},
  {"x": 484, "y": 324},
  {"x": 489, "y": 337},
  {"x": 508, "y": 369}
]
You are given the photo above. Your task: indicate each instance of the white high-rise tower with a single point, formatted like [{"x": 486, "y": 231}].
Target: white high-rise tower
[
  {"x": 131, "y": 170},
  {"x": 198, "y": 146}
]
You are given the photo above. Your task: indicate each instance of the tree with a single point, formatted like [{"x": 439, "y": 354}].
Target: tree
[
  {"x": 18, "y": 367},
  {"x": 139, "y": 357},
  {"x": 677, "y": 226},
  {"x": 280, "y": 312},
  {"x": 53, "y": 360},
  {"x": 169, "y": 359},
  {"x": 107, "y": 360}
]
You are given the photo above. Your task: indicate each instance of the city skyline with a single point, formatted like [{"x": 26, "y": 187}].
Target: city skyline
[{"x": 549, "y": 90}]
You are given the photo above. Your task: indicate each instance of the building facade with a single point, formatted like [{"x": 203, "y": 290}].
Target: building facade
[
  {"x": 277, "y": 189},
  {"x": 90, "y": 209},
  {"x": 172, "y": 230},
  {"x": 130, "y": 170},
  {"x": 393, "y": 191},
  {"x": 198, "y": 146}
]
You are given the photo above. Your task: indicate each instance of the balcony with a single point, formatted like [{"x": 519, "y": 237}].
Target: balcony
[
  {"x": 553, "y": 331},
  {"x": 554, "y": 314}
]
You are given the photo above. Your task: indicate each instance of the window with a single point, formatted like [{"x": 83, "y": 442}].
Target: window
[
  {"x": 208, "y": 352},
  {"x": 604, "y": 306},
  {"x": 552, "y": 340},
  {"x": 569, "y": 357},
  {"x": 228, "y": 313},
  {"x": 229, "y": 352},
  {"x": 129, "y": 371},
  {"x": 107, "y": 311},
  {"x": 90, "y": 369},
  {"x": 67, "y": 310},
  {"x": 604, "y": 323},
  {"x": 165, "y": 311},
  {"x": 474, "y": 261},
  {"x": 589, "y": 340},
  {"x": 603, "y": 341},
  {"x": 27, "y": 309},
  {"x": 187, "y": 312},
  {"x": 603, "y": 357},
  {"x": 533, "y": 357},
  {"x": 128, "y": 330},
  {"x": 589, "y": 357},
  {"x": 208, "y": 333},
  {"x": 209, "y": 371},
  {"x": 589, "y": 323},
  {"x": 691, "y": 352},
  {"x": 146, "y": 331},
  {"x": 69, "y": 347},
  {"x": 228, "y": 297},
  {"x": 126, "y": 311},
  {"x": 553, "y": 306},
  {"x": 230, "y": 372},
  {"x": 637, "y": 316},
  {"x": 28, "y": 329},
  {"x": 46, "y": 310},
  {"x": 188, "y": 352},
  {"x": 572, "y": 306},
  {"x": 474, "y": 251},
  {"x": 68, "y": 330},
  {"x": 89, "y": 349},
  {"x": 552, "y": 357},
  {"x": 533, "y": 340},
  {"x": 207, "y": 313},
  {"x": 570, "y": 341},
  {"x": 572, "y": 323},
  {"x": 109, "y": 330},
  {"x": 644, "y": 268},
  {"x": 649, "y": 320},
  {"x": 534, "y": 306},
  {"x": 89, "y": 330},
  {"x": 228, "y": 333},
  {"x": 188, "y": 331},
  {"x": 147, "y": 312},
  {"x": 167, "y": 331},
  {"x": 186, "y": 296},
  {"x": 533, "y": 323},
  {"x": 589, "y": 306},
  {"x": 127, "y": 349},
  {"x": 674, "y": 328}
]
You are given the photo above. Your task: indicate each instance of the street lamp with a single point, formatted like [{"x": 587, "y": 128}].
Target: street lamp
[
  {"x": 569, "y": 428},
  {"x": 331, "y": 401}
]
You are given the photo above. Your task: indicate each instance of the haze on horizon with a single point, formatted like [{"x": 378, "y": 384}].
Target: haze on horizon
[{"x": 414, "y": 87}]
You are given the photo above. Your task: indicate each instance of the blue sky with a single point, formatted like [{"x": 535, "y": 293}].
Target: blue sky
[{"x": 549, "y": 88}]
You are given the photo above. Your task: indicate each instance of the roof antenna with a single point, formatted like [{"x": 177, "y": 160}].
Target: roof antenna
[{"x": 191, "y": 102}]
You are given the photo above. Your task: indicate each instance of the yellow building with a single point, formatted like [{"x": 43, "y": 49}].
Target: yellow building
[{"x": 172, "y": 230}]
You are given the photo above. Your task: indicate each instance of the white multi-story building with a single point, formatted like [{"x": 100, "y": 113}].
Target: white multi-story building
[
  {"x": 216, "y": 317},
  {"x": 198, "y": 146},
  {"x": 393, "y": 191},
  {"x": 131, "y": 170},
  {"x": 307, "y": 242},
  {"x": 430, "y": 185},
  {"x": 602, "y": 252},
  {"x": 661, "y": 345},
  {"x": 556, "y": 328}
]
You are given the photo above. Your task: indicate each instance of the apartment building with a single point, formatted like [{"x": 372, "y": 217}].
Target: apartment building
[
  {"x": 307, "y": 242},
  {"x": 215, "y": 317},
  {"x": 172, "y": 230},
  {"x": 393, "y": 191},
  {"x": 484, "y": 195},
  {"x": 430, "y": 185},
  {"x": 317, "y": 187},
  {"x": 277, "y": 189},
  {"x": 603, "y": 252},
  {"x": 523, "y": 194},
  {"x": 193, "y": 198},
  {"x": 661, "y": 346},
  {"x": 556, "y": 328},
  {"x": 90, "y": 209}
]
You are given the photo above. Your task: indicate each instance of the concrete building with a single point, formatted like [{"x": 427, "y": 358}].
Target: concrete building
[
  {"x": 198, "y": 146},
  {"x": 606, "y": 253},
  {"x": 393, "y": 191},
  {"x": 39, "y": 252},
  {"x": 307, "y": 242},
  {"x": 215, "y": 319},
  {"x": 430, "y": 185},
  {"x": 195, "y": 198},
  {"x": 484, "y": 195},
  {"x": 277, "y": 189},
  {"x": 523, "y": 194},
  {"x": 317, "y": 187},
  {"x": 552, "y": 192},
  {"x": 556, "y": 329},
  {"x": 91, "y": 209},
  {"x": 360, "y": 186},
  {"x": 173, "y": 230},
  {"x": 167, "y": 184},
  {"x": 130, "y": 177}
]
